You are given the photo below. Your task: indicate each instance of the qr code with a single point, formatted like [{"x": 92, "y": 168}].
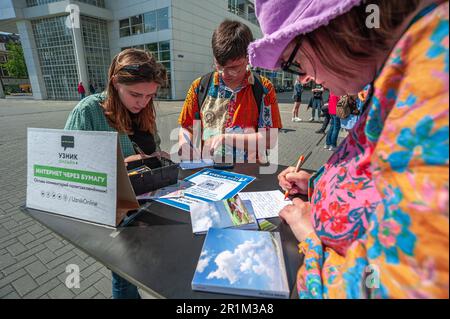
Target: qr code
[{"x": 210, "y": 185}]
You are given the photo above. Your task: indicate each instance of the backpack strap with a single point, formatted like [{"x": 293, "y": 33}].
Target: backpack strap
[
  {"x": 258, "y": 92},
  {"x": 205, "y": 82}
]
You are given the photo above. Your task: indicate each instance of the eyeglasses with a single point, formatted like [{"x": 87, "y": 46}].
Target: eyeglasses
[
  {"x": 231, "y": 70},
  {"x": 291, "y": 66}
]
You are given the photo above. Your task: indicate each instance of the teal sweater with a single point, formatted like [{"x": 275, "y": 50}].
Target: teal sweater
[{"x": 88, "y": 116}]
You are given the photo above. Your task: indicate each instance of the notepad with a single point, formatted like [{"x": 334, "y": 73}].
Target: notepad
[
  {"x": 266, "y": 204},
  {"x": 206, "y": 162}
]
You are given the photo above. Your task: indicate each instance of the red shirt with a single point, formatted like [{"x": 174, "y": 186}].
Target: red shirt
[
  {"x": 81, "y": 89},
  {"x": 332, "y": 103}
]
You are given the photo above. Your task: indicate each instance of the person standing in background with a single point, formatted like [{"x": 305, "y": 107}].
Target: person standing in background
[
  {"x": 297, "y": 97},
  {"x": 335, "y": 123},
  {"x": 81, "y": 90}
]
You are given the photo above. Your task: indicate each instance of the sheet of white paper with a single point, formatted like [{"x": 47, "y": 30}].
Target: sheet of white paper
[{"x": 266, "y": 204}]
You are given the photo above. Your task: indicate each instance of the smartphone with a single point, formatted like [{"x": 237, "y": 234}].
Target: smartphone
[{"x": 223, "y": 165}]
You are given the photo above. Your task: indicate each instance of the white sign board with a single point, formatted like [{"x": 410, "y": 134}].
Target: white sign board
[{"x": 79, "y": 174}]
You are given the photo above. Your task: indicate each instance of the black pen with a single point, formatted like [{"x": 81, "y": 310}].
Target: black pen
[{"x": 138, "y": 149}]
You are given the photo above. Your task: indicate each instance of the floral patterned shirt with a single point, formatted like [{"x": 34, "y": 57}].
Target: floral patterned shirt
[{"x": 380, "y": 204}]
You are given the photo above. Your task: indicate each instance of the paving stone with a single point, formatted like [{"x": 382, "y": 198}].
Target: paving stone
[
  {"x": 104, "y": 286},
  {"x": 12, "y": 295},
  {"x": 35, "y": 229},
  {"x": 61, "y": 259},
  {"x": 16, "y": 249},
  {"x": 10, "y": 224},
  {"x": 46, "y": 256},
  {"x": 52, "y": 273},
  {"x": 19, "y": 265},
  {"x": 61, "y": 292},
  {"x": 30, "y": 252},
  {"x": 91, "y": 280},
  {"x": 95, "y": 267},
  {"x": 26, "y": 238},
  {"x": 8, "y": 279},
  {"x": 6, "y": 260},
  {"x": 36, "y": 269},
  {"x": 8, "y": 289},
  {"x": 24, "y": 285},
  {"x": 3, "y": 232},
  {"x": 6, "y": 205},
  {"x": 87, "y": 293},
  {"x": 64, "y": 249},
  {"x": 54, "y": 244},
  {"x": 43, "y": 289}
]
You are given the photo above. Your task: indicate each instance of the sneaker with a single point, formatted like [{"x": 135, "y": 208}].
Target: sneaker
[
  {"x": 332, "y": 148},
  {"x": 326, "y": 146},
  {"x": 296, "y": 119},
  {"x": 311, "y": 119},
  {"x": 320, "y": 131}
]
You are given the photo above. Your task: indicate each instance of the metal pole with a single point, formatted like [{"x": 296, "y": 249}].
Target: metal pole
[{"x": 2, "y": 90}]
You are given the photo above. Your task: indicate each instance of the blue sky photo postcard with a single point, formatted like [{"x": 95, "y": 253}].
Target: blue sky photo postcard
[{"x": 242, "y": 262}]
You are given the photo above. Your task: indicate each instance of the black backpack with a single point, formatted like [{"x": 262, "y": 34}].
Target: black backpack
[{"x": 205, "y": 81}]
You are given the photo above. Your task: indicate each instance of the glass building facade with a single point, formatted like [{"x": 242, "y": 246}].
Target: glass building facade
[
  {"x": 56, "y": 51},
  {"x": 97, "y": 3},
  {"x": 96, "y": 51}
]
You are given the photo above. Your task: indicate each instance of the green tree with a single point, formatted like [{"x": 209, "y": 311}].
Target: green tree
[{"x": 15, "y": 65}]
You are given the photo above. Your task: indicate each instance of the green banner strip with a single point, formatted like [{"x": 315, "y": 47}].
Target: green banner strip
[{"x": 70, "y": 175}]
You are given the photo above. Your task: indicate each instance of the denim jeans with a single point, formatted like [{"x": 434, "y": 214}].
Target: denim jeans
[
  {"x": 333, "y": 132},
  {"x": 316, "y": 105},
  {"x": 123, "y": 289}
]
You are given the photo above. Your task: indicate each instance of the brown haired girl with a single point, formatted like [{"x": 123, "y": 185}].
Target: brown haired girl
[{"x": 126, "y": 107}]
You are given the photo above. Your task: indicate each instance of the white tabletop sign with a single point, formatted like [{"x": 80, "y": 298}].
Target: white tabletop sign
[{"x": 76, "y": 173}]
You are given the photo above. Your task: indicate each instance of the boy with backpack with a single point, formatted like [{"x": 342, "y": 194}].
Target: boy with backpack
[{"x": 232, "y": 108}]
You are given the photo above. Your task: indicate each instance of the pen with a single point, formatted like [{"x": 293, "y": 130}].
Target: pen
[
  {"x": 300, "y": 162},
  {"x": 186, "y": 137},
  {"x": 138, "y": 149}
]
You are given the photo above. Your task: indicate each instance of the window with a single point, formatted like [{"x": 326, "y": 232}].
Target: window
[
  {"x": 136, "y": 24},
  {"x": 125, "y": 23},
  {"x": 162, "y": 17},
  {"x": 150, "y": 21},
  {"x": 125, "y": 32}
]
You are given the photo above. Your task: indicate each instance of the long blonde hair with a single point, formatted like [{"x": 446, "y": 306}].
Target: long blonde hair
[{"x": 132, "y": 66}]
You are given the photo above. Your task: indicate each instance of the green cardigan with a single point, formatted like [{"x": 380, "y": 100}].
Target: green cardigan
[{"x": 88, "y": 116}]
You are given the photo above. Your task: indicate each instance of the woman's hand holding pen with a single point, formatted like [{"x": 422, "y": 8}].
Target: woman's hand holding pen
[{"x": 295, "y": 183}]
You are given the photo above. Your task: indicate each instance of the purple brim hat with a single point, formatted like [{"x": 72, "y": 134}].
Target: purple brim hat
[{"x": 282, "y": 20}]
